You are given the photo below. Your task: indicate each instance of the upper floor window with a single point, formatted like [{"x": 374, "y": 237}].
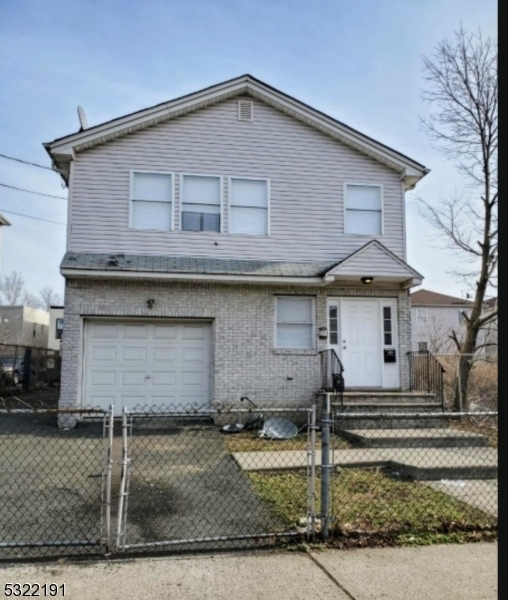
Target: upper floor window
[
  {"x": 295, "y": 323},
  {"x": 248, "y": 201},
  {"x": 363, "y": 209},
  {"x": 201, "y": 203},
  {"x": 421, "y": 316},
  {"x": 151, "y": 200}
]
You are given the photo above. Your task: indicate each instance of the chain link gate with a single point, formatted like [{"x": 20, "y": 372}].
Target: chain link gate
[
  {"x": 55, "y": 483},
  {"x": 183, "y": 485}
]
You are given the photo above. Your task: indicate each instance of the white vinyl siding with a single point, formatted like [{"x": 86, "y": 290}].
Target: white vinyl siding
[
  {"x": 421, "y": 316},
  {"x": 364, "y": 209},
  {"x": 151, "y": 200},
  {"x": 248, "y": 212},
  {"x": 306, "y": 170},
  {"x": 295, "y": 323},
  {"x": 200, "y": 203}
]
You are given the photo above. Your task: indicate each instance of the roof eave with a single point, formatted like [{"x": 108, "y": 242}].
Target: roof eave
[{"x": 202, "y": 277}]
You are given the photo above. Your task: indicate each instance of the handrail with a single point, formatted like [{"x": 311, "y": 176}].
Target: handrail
[
  {"x": 332, "y": 371},
  {"x": 426, "y": 374}
]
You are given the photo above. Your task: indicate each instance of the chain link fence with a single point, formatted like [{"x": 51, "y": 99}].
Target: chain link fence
[
  {"x": 241, "y": 475},
  {"x": 414, "y": 478},
  {"x": 51, "y": 483},
  {"x": 24, "y": 368},
  {"x": 192, "y": 480}
]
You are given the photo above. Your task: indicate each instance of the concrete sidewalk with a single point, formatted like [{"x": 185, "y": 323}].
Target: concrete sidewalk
[{"x": 444, "y": 572}]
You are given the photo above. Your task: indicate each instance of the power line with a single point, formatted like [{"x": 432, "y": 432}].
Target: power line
[
  {"x": 12, "y": 187},
  {"x": 10, "y": 212},
  {"x": 26, "y": 162}
]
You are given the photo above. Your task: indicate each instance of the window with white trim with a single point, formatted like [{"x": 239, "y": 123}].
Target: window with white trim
[
  {"x": 200, "y": 196},
  {"x": 363, "y": 209},
  {"x": 295, "y": 323},
  {"x": 59, "y": 324},
  {"x": 152, "y": 200},
  {"x": 248, "y": 204},
  {"x": 421, "y": 316}
]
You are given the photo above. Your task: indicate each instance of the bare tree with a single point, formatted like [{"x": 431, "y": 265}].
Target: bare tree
[
  {"x": 49, "y": 297},
  {"x": 32, "y": 300},
  {"x": 461, "y": 92},
  {"x": 12, "y": 288}
]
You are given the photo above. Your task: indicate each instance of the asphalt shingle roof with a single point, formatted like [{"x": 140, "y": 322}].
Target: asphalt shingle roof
[
  {"x": 192, "y": 265},
  {"x": 429, "y": 298}
]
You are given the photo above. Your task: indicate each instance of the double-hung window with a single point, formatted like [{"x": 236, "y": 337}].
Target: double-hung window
[
  {"x": 421, "y": 316},
  {"x": 248, "y": 206},
  {"x": 363, "y": 209},
  {"x": 295, "y": 323},
  {"x": 151, "y": 200},
  {"x": 201, "y": 203}
]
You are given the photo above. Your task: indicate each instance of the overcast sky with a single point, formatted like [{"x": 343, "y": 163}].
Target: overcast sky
[{"x": 357, "y": 60}]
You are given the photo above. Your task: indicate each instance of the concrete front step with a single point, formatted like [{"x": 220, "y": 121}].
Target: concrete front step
[
  {"x": 419, "y": 463},
  {"x": 414, "y": 438},
  {"x": 390, "y": 419}
]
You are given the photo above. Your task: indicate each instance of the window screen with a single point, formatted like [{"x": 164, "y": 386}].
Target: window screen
[
  {"x": 295, "y": 323},
  {"x": 152, "y": 197},
  {"x": 248, "y": 206},
  {"x": 363, "y": 210}
]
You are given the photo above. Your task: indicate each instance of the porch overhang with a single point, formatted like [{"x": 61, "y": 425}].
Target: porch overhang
[
  {"x": 377, "y": 263},
  {"x": 384, "y": 281}
]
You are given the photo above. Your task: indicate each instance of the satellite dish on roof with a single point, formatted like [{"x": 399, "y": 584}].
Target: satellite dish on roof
[{"x": 82, "y": 118}]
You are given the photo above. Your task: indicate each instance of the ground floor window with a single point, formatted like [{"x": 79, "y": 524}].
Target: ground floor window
[{"x": 295, "y": 323}]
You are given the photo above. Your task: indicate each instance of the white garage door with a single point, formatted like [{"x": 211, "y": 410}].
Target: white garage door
[{"x": 138, "y": 364}]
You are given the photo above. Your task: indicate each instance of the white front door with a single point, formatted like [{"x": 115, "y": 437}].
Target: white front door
[{"x": 356, "y": 337}]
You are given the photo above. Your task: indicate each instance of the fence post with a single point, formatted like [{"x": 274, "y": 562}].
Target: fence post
[
  {"x": 325, "y": 466},
  {"x": 27, "y": 368},
  {"x": 108, "y": 435},
  {"x": 311, "y": 472}
]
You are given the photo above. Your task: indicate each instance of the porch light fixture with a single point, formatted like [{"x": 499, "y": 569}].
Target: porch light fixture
[{"x": 367, "y": 280}]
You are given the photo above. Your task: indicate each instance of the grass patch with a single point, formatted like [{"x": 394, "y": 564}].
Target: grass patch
[
  {"x": 249, "y": 441},
  {"x": 367, "y": 502}
]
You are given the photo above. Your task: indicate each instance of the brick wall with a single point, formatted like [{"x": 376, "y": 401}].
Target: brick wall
[{"x": 244, "y": 360}]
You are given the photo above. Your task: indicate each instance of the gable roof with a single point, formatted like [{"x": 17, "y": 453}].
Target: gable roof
[
  {"x": 374, "y": 259},
  {"x": 62, "y": 150},
  {"x": 430, "y": 298}
]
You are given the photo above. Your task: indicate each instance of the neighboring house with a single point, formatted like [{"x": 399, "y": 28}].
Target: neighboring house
[
  {"x": 24, "y": 326},
  {"x": 490, "y": 336},
  {"x": 433, "y": 318},
  {"x": 56, "y": 314},
  {"x": 217, "y": 242}
]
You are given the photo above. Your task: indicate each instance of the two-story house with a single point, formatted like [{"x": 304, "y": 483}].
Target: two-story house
[
  {"x": 434, "y": 318},
  {"x": 219, "y": 241}
]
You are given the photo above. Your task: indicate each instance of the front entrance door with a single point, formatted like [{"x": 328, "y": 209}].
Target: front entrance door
[{"x": 357, "y": 340}]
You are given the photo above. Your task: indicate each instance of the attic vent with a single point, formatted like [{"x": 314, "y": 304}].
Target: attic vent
[{"x": 245, "y": 110}]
